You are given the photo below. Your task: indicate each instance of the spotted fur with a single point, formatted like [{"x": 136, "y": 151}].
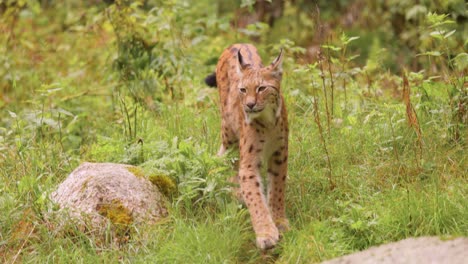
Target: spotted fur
[{"x": 254, "y": 119}]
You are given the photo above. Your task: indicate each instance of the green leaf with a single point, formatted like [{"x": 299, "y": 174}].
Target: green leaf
[
  {"x": 334, "y": 48},
  {"x": 437, "y": 34},
  {"x": 436, "y": 20},
  {"x": 430, "y": 53},
  {"x": 350, "y": 58},
  {"x": 461, "y": 61},
  {"x": 449, "y": 34},
  {"x": 351, "y": 39},
  {"x": 345, "y": 39}
]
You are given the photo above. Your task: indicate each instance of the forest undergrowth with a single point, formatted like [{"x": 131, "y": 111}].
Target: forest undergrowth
[{"x": 377, "y": 150}]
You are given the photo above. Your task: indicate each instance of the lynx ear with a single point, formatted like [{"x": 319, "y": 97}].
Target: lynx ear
[
  {"x": 277, "y": 65},
  {"x": 242, "y": 64}
]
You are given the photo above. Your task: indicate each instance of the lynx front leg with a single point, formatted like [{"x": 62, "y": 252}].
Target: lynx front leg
[
  {"x": 277, "y": 170},
  {"x": 250, "y": 181}
]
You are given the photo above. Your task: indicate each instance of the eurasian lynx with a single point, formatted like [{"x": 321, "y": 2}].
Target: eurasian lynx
[{"x": 254, "y": 118}]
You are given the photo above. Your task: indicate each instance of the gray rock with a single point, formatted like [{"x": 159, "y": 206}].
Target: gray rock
[
  {"x": 424, "y": 250},
  {"x": 96, "y": 193}
]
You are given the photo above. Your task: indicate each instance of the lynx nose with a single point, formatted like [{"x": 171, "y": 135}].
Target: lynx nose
[{"x": 250, "y": 105}]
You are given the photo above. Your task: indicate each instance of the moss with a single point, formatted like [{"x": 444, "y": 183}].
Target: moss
[
  {"x": 136, "y": 171},
  {"x": 448, "y": 237},
  {"x": 116, "y": 212},
  {"x": 164, "y": 183}
]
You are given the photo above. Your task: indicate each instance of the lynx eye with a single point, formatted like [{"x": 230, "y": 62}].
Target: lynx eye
[
  {"x": 261, "y": 88},
  {"x": 242, "y": 90}
]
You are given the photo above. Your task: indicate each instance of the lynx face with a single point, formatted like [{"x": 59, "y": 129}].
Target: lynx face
[
  {"x": 258, "y": 95},
  {"x": 259, "y": 88}
]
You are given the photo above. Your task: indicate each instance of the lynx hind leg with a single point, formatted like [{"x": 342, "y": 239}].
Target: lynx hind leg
[
  {"x": 235, "y": 181},
  {"x": 222, "y": 150},
  {"x": 235, "y": 188},
  {"x": 228, "y": 139}
]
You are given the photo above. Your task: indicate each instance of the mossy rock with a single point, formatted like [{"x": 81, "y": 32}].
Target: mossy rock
[{"x": 97, "y": 194}]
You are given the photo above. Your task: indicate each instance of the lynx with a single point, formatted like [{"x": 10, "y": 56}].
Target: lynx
[{"x": 254, "y": 119}]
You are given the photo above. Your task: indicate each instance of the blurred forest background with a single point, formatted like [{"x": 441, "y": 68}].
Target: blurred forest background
[{"x": 377, "y": 98}]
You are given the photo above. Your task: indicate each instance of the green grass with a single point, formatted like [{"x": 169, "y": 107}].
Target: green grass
[{"x": 62, "y": 102}]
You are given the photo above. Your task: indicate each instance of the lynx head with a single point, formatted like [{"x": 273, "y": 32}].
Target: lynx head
[{"x": 259, "y": 88}]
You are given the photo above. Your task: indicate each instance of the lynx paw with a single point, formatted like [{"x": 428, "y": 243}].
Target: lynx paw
[
  {"x": 282, "y": 224},
  {"x": 265, "y": 243},
  {"x": 267, "y": 240}
]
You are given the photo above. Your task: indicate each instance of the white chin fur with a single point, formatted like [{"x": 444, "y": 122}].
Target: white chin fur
[
  {"x": 254, "y": 115},
  {"x": 265, "y": 115},
  {"x": 250, "y": 116}
]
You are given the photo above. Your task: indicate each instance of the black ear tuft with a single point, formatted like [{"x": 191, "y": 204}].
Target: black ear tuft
[
  {"x": 278, "y": 62},
  {"x": 239, "y": 57},
  {"x": 241, "y": 61},
  {"x": 210, "y": 80}
]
